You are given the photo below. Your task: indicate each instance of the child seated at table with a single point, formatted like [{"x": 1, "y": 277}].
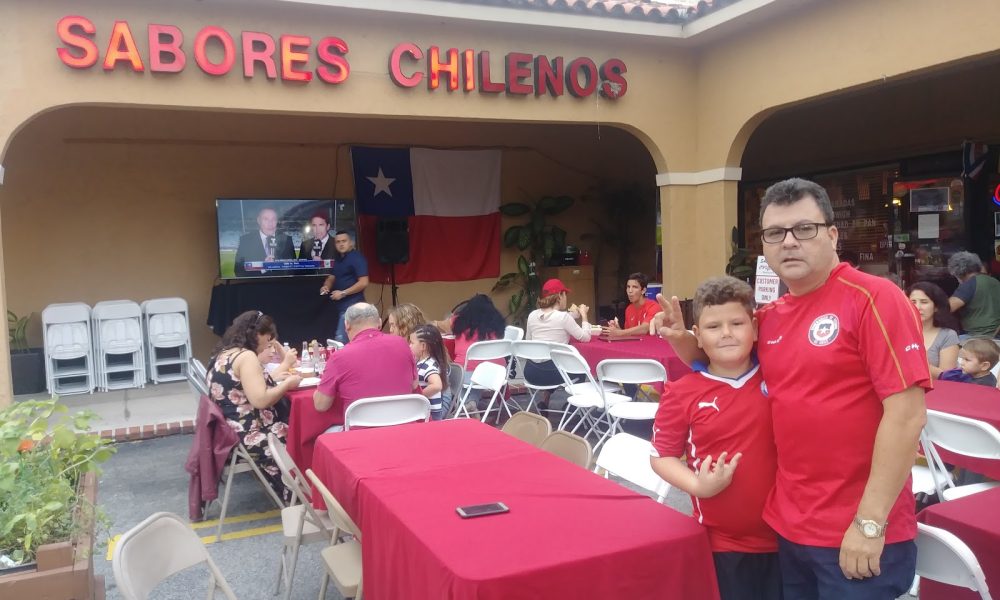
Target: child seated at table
[
  {"x": 720, "y": 417},
  {"x": 975, "y": 360},
  {"x": 431, "y": 357}
]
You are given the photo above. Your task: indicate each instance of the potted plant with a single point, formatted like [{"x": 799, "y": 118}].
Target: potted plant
[
  {"x": 48, "y": 491},
  {"x": 742, "y": 263},
  {"x": 27, "y": 365},
  {"x": 537, "y": 240}
]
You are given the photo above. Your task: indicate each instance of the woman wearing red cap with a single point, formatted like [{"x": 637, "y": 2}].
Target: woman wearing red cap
[{"x": 551, "y": 323}]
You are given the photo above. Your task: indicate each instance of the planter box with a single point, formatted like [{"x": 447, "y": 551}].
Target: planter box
[
  {"x": 27, "y": 371},
  {"x": 64, "y": 570}
]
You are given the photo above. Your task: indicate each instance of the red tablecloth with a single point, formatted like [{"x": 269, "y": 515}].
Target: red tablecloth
[
  {"x": 649, "y": 346},
  {"x": 976, "y": 521},
  {"x": 973, "y": 401},
  {"x": 449, "y": 345},
  {"x": 569, "y": 532},
  {"x": 304, "y": 425}
]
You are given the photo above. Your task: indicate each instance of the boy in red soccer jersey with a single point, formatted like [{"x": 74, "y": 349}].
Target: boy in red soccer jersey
[{"x": 722, "y": 410}]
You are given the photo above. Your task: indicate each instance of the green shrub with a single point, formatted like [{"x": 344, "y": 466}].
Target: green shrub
[{"x": 43, "y": 453}]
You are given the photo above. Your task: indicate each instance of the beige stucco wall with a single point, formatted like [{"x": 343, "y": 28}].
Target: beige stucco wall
[{"x": 692, "y": 105}]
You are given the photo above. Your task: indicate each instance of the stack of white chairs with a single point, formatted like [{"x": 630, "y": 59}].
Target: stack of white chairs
[
  {"x": 168, "y": 338},
  {"x": 118, "y": 345},
  {"x": 69, "y": 358}
]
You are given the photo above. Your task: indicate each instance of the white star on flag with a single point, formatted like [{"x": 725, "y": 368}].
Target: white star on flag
[{"x": 382, "y": 183}]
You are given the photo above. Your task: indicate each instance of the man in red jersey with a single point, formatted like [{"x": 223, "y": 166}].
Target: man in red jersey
[{"x": 843, "y": 360}]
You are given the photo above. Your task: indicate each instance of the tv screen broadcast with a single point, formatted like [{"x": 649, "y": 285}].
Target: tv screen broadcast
[{"x": 279, "y": 237}]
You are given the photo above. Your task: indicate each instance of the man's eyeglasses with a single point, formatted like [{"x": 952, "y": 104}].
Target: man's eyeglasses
[{"x": 802, "y": 231}]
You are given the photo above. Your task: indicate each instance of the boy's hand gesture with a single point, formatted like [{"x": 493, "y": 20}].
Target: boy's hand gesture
[
  {"x": 669, "y": 322},
  {"x": 713, "y": 477}
]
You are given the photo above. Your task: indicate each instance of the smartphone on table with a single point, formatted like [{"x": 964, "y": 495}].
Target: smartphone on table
[{"x": 481, "y": 510}]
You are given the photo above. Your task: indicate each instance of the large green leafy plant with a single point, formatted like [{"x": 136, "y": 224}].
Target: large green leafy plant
[
  {"x": 17, "y": 328},
  {"x": 43, "y": 453},
  {"x": 538, "y": 240}
]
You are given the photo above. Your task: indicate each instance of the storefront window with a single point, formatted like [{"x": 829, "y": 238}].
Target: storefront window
[{"x": 928, "y": 227}]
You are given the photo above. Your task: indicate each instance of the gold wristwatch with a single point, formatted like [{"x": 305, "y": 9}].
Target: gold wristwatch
[{"x": 870, "y": 529}]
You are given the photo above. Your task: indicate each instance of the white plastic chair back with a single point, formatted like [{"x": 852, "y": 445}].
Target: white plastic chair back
[
  {"x": 488, "y": 350},
  {"x": 67, "y": 340},
  {"x": 528, "y": 427},
  {"x": 385, "y": 411},
  {"x": 490, "y": 376},
  {"x": 962, "y": 435},
  {"x": 627, "y": 456},
  {"x": 119, "y": 336},
  {"x": 164, "y": 306},
  {"x": 942, "y": 557},
  {"x": 334, "y": 343},
  {"x": 631, "y": 371},
  {"x": 167, "y": 330},
  {"x": 294, "y": 479},
  {"x": 513, "y": 333},
  {"x": 68, "y": 312},
  {"x": 198, "y": 382},
  {"x": 570, "y": 363},
  {"x": 157, "y": 548},
  {"x": 531, "y": 350}
]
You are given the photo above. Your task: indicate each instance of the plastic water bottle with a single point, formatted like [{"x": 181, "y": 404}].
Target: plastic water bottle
[
  {"x": 320, "y": 360},
  {"x": 305, "y": 360}
]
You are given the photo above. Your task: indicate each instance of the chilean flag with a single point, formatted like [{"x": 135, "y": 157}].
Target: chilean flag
[{"x": 451, "y": 200}]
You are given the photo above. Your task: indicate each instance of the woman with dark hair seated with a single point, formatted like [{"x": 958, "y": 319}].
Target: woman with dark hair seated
[
  {"x": 477, "y": 320},
  {"x": 940, "y": 338},
  {"x": 246, "y": 394}
]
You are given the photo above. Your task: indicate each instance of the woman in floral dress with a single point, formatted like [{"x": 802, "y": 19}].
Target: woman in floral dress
[{"x": 248, "y": 396}]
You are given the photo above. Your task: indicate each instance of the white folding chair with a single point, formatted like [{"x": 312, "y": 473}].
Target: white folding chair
[
  {"x": 589, "y": 398},
  {"x": 300, "y": 523},
  {"x": 197, "y": 376},
  {"x": 157, "y": 548},
  {"x": 487, "y": 376},
  {"x": 528, "y": 427},
  {"x": 67, "y": 342},
  {"x": 334, "y": 343},
  {"x": 168, "y": 338},
  {"x": 118, "y": 345},
  {"x": 513, "y": 334},
  {"x": 342, "y": 559},
  {"x": 960, "y": 435},
  {"x": 385, "y": 411},
  {"x": 524, "y": 351},
  {"x": 621, "y": 371},
  {"x": 569, "y": 446},
  {"x": 942, "y": 557},
  {"x": 627, "y": 456},
  {"x": 456, "y": 380},
  {"x": 486, "y": 351}
]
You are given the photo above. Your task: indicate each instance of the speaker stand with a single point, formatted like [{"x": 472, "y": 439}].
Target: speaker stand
[{"x": 394, "y": 287}]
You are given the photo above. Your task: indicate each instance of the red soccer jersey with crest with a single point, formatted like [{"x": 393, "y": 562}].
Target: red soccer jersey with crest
[
  {"x": 830, "y": 357},
  {"x": 637, "y": 316},
  {"x": 701, "y": 415}
]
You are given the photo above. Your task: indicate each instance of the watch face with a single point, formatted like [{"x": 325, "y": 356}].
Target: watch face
[{"x": 869, "y": 529}]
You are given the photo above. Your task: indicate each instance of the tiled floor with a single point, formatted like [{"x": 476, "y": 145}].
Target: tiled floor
[{"x": 134, "y": 414}]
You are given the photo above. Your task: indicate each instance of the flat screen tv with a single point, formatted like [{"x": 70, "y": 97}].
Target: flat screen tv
[{"x": 276, "y": 237}]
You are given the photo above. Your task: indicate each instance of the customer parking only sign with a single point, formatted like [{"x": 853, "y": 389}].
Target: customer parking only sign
[{"x": 766, "y": 286}]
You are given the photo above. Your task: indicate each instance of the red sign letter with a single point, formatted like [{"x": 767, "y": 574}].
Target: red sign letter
[
  {"x": 201, "y": 54},
  {"x": 469, "y": 70},
  {"x": 88, "y": 48},
  {"x": 549, "y": 76},
  {"x": 613, "y": 73},
  {"x": 330, "y": 50},
  {"x": 258, "y": 48},
  {"x": 121, "y": 47},
  {"x": 485, "y": 85},
  {"x": 517, "y": 70},
  {"x": 396, "y": 70},
  {"x": 293, "y": 53},
  {"x": 158, "y": 46},
  {"x": 589, "y": 69},
  {"x": 435, "y": 66}
]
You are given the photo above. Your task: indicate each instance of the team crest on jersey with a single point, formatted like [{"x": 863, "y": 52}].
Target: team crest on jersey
[{"x": 824, "y": 330}]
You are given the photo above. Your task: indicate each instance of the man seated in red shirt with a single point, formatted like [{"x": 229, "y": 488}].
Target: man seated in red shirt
[
  {"x": 371, "y": 364},
  {"x": 639, "y": 312},
  {"x": 722, "y": 409}
]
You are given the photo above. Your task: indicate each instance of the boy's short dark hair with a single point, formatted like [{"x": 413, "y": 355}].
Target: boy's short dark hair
[
  {"x": 722, "y": 290},
  {"x": 983, "y": 350},
  {"x": 640, "y": 278}
]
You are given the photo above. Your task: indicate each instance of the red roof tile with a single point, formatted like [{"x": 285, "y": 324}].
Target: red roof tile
[{"x": 643, "y": 10}]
